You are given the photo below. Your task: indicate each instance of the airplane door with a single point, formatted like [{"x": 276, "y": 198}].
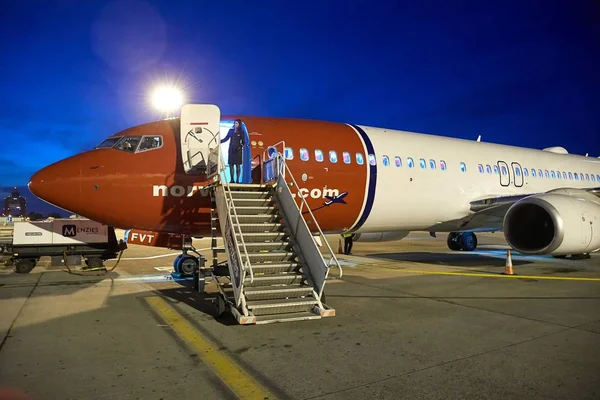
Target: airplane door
[
  {"x": 517, "y": 174},
  {"x": 199, "y": 133},
  {"x": 504, "y": 173}
]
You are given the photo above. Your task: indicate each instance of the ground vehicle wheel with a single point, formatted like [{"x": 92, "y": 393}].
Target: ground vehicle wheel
[
  {"x": 452, "y": 241},
  {"x": 24, "y": 265},
  {"x": 468, "y": 241},
  {"x": 93, "y": 262},
  {"x": 187, "y": 264},
  {"x": 221, "y": 305}
]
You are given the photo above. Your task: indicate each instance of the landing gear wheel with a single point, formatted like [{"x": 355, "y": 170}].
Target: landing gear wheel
[
  {"x": 188, "y": 264},
  {"x": 24, "y": 265},
  {"x": 468, "y": 241},
  {"x": 221, "y": 305},
  {"x": 452, "y": 241}
]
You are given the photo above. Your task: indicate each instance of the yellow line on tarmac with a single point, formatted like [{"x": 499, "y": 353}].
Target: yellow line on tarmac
[
  {"x": 557, "y": 278},
  {"x": 242, "y": 384}
]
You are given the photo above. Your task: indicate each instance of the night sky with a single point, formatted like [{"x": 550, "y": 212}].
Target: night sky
[{"x": 73, "y": 72}]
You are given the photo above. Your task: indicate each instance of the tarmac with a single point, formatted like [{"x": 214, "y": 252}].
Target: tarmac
[{"x": 413, "y": 320}]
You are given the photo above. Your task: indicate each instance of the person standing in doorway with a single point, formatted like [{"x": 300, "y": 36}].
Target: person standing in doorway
[{"x": 237, "y": 141}]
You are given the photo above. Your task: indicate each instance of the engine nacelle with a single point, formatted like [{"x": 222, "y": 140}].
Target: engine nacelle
[
  {"x": 558, "y": 223},
  {"x": 380, "y": 236}
]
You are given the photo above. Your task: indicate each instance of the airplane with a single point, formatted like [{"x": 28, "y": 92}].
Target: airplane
[{"x": 379, "y": 183}]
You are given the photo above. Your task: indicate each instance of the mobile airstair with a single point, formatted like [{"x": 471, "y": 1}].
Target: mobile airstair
[{"x": 276, "y": 270}]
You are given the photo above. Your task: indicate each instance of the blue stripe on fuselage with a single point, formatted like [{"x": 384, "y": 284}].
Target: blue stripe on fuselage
[{"x": 372, "y": 179}]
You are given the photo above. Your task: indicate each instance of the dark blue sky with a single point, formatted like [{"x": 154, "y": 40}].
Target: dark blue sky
[{"x": 520, "y": 72}]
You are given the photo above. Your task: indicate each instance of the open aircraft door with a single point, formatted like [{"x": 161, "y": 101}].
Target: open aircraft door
[{"x": 200, "y": 138}]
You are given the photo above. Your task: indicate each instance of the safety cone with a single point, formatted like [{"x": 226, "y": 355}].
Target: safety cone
[
  {"x": 340, "y": 250},
  {"x": 508, "y": 268}
]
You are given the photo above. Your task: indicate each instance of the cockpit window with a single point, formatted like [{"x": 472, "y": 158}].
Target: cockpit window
[
  {"x": 108, "y": 143},
  {"x": 150, "y": 142},
  {"x": 128, "y": 143}
]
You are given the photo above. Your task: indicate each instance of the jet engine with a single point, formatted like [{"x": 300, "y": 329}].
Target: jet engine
[
  {"x": 380, "y": 236},
  {"x": 560, "y": 222}
]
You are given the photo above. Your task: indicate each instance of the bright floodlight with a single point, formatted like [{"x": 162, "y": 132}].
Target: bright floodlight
[{"x": 167, "y": 98}]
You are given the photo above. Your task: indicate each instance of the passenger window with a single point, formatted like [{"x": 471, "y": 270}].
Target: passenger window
[
  {"x": 525, "y": 172},
  {"x": 540, "y": 173},
  {"x": 552, "y": 174},
  {"x": 547, "y": 174},
  {"x": 423, "y": 163},
  {"x": 332, "y": 156},
  {"x": 488, "y": 169},
  {"x": 570, "y": 176},
  {"x": 518, "y": 171},
  {"x": 463, "y": 167},
  {"x": 128, "y": 143},
  {"x": 304, "y": 154},
  {"x": 410, "y": 162},
  {"x": 495, "y": 169},
  {"x": 564, "y": 175},
  {"x": 558, "y": 175},
  {"x": 346, "y": 157},
  {"x": 504, "y": 171},
  {"x": 289, "y": 153},
  {"x": 386, "y": 161},
  {"x": 432, "y": 164},
  {"x": 533, "y": 174},
  {"x": 150, "y": 143},
  {"x": 360, "y": 159},
  {"x": 576, "y": 176},
  {"x": 443, "y": 165},
  {"x": 593, "y": 178},
  {"x": 398, "y": 161},
  {"x": 598, "y": 178},
  {"x": 581, "y": 176},
  {"x": 480, "y": 168},
  {"x": 372, "y": 160},
  {"x": 319, "y": 155}
]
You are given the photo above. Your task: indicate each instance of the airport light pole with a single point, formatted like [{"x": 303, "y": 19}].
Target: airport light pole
[{"x": 167, "y": 99}]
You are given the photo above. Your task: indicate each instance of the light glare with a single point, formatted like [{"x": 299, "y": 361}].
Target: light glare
[{"x": 167, "y": 98}]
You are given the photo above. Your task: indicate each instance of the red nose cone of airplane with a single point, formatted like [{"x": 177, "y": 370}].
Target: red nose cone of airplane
[{"x": 57, "y": 184}]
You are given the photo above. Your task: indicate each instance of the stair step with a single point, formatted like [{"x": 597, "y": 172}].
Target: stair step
[
  {"x": 254, "y": 210},
  {"x": 249, "y": 187},
  {"x": 268, "y": 280},
  {"x": 262, "y": 237},
  {"x": 250, "y": 195},
  {"x": 256, "y": 228},
  {"x": 288, "y": 317},
  {"x": 281, "y": 306},
  {"x": 274, "y": 268},
  {"x": 249, "y": 202},
  {"x": 265, "y": 246},
  {"x": 277, "y": 292},
  {"x": 257, "y": 218},
  {"x": 270, "y": 256}
]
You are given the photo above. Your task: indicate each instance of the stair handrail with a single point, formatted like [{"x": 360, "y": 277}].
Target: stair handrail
[
  {"x": 229, "y": 203},
  {"x": 284, "y": 167}
]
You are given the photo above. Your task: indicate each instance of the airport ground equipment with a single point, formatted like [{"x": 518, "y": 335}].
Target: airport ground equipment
[
  {"x": 275, "y": 270},
  {"x": 73, "y": 238}
]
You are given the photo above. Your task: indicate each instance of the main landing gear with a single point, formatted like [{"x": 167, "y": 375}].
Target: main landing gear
[{"x": 466, "y": 241}]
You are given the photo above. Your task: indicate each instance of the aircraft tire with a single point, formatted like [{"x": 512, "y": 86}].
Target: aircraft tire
[
  {"x": 453, "y": 242},
  {"x": 187, "y": 264},
  {"x": 221, "y": 305},
  {"x": 468, "y": 241}
]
